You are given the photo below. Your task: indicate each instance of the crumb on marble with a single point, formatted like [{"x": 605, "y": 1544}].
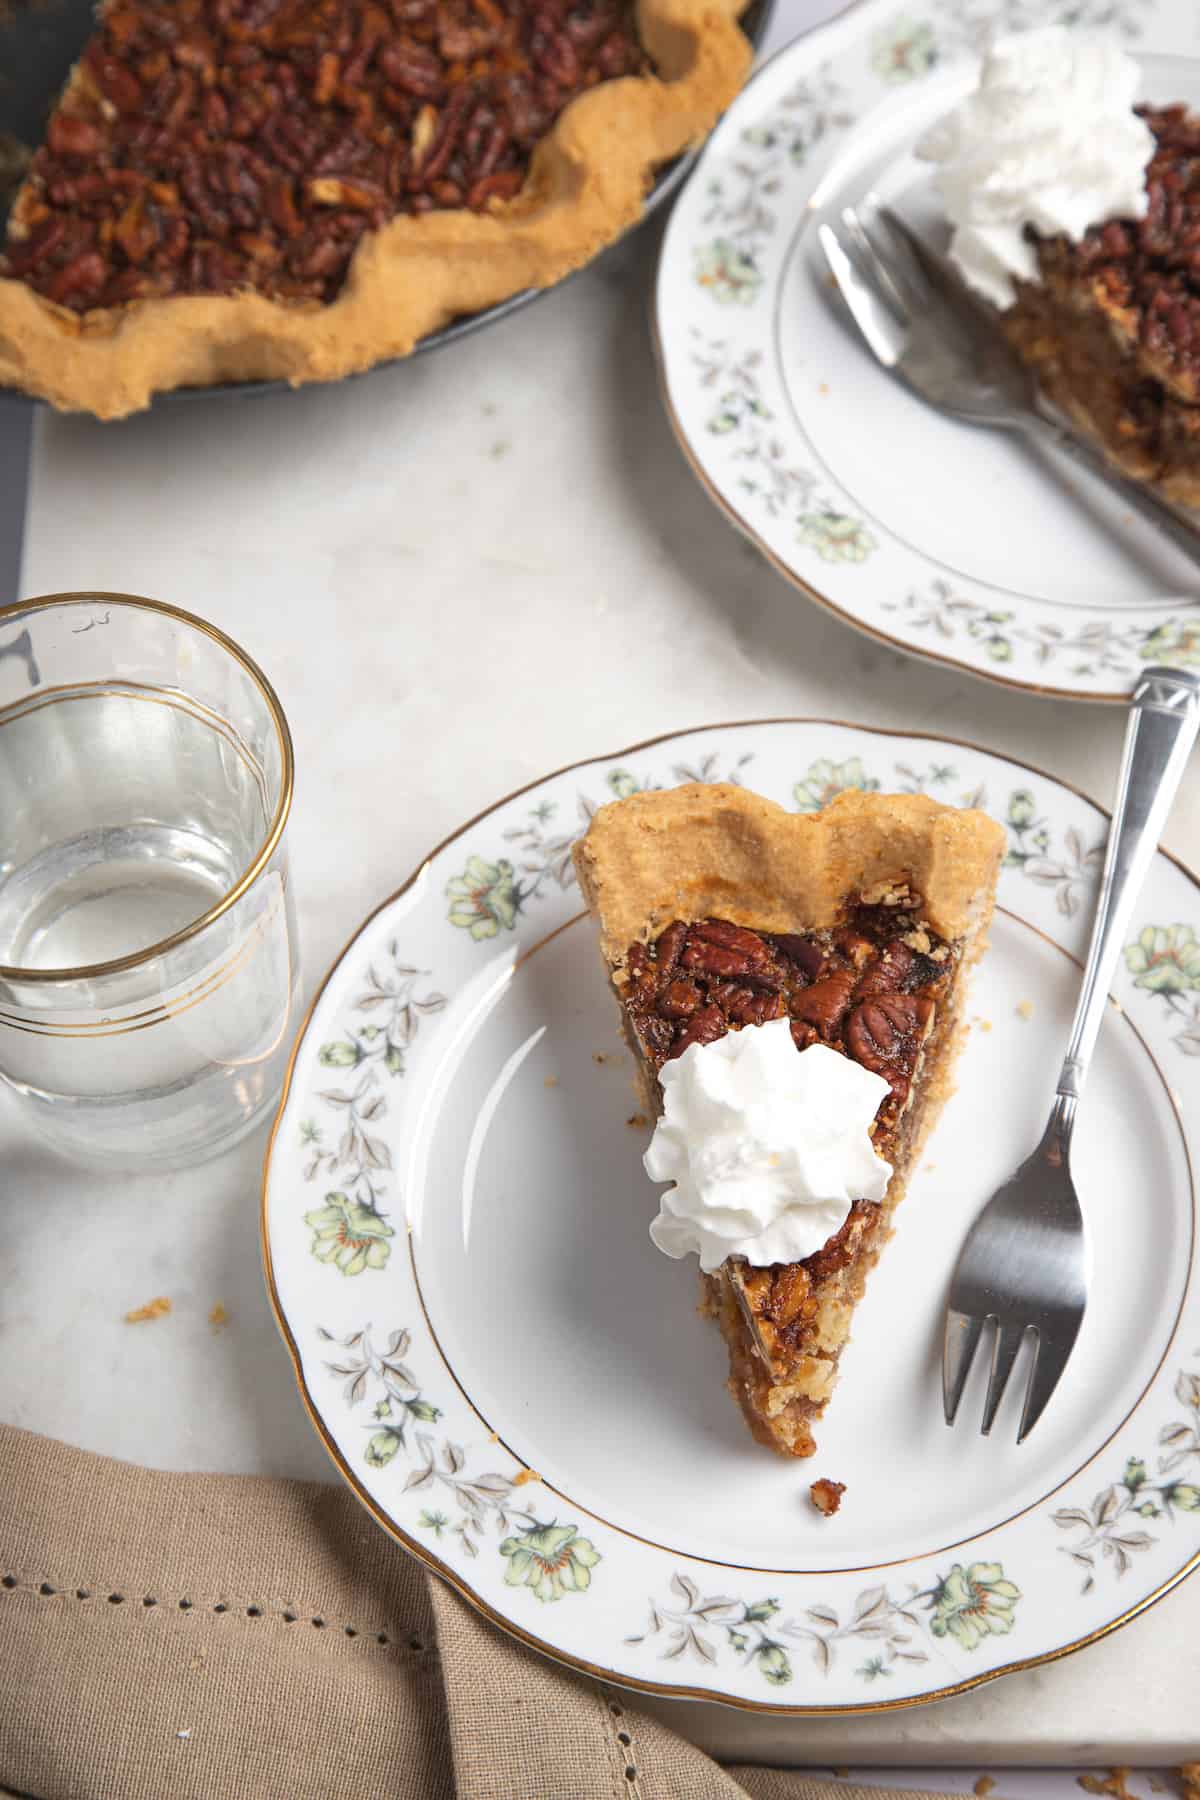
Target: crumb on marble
[
  {"x": 599, "y": 1056},
  {"x": 984, "y": 1786},
  {"x": 500, "y": 448},
  {"x": 550, "y": 1081},
  {"x": 842, "y": 1772},
  {"x": 1115, "y": 1783},
  {"x": 525, "y": 1477},
  {"x": 153, "y": 1309},
  {"x": 218, "y": 1318},
  {"x": 1024, "y": 1009},
  {"x": 826, "y": 1495},
  {"x": 637, "y": 1121}
]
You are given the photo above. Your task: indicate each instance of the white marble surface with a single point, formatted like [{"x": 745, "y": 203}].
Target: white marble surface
[{"x": 461, "y": 573}]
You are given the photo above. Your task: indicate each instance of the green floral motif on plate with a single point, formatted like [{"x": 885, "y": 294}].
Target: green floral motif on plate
[
  {"x": 349, "y": 1235},
  {"x": 972, "y": 1604},
  {"x": 824, "y": 780},
  {"x": 552, "y": 1559},
  {"x": 484, "y": 897}
]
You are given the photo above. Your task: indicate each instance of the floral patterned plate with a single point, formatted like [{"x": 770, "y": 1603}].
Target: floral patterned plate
[
  {"x": 519, "y": 1387},
  {"x": 953, "y": 543}
]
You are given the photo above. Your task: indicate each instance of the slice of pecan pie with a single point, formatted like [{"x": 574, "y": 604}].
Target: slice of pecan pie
[
  {"x": 720, "y": 911},
  {"x": 1112, "y": 328},
  {"x": 232, "y": 189}
]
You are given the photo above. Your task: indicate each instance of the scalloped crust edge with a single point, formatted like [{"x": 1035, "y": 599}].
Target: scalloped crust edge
[
  {"x": 716, "y": 850},
  {"x": 586, "y": 185}
]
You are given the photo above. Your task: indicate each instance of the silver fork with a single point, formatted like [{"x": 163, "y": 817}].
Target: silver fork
[
  {"x": 1024, "y": 1265},
  {"x": 926, "y": 328}
]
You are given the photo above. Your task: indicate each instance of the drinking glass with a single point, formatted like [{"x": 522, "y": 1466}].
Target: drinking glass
[{"x": 147, "y": 941}]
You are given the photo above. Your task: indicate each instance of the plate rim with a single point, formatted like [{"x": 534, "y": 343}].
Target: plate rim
[
  {"x": 806, "y": 45},
  {"x": 424, "y": 1554}
]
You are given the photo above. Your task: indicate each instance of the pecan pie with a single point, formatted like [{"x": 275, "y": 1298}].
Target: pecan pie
[
  {"x": 719, "y": 911},
  {"x": 1112, "y": 328},
  {"x": 232, "y": 189}
]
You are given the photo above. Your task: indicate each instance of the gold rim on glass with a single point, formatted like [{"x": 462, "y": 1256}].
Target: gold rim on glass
[
  {"x": 427, "y": 1557},
  {"x": 266, "y": 850}
]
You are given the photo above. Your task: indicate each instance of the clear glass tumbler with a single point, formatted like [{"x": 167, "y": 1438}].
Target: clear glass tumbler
[{"x": 147, "y": 940}]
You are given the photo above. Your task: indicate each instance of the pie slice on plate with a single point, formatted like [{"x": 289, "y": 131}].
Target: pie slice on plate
[
  {"x": 719, "y": 911},
  {"x": 1112, "y": 327},
  {"x": 296, "y": 189}
]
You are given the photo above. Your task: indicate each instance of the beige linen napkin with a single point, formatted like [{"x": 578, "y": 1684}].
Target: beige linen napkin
[{"x": 205, "y": 1637}]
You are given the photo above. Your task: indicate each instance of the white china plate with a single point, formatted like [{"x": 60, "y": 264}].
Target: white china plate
[
  {"x": 956, "y": 544},
  {"x": 455, "y": 1228}
]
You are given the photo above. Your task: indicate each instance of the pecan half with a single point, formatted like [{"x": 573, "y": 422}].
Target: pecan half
[
  {"x": 885, "y": 1034},
  {"x": 824, "y": 1004},
  {"x": 791, "y": 1286}
]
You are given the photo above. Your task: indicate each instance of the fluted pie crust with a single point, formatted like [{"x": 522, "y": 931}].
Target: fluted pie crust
[
  {"x": 703, "y": 853},
  {"x": 585, "y": 185}
]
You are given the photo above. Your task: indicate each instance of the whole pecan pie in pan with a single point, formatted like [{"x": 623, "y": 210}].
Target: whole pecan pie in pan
[
  {"x": 296, "y": 189},
  {"x": 720, "y": 911}
]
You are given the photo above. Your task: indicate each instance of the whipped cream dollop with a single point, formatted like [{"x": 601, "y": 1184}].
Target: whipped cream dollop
[
  {"x": 1049, "y": 139},
  {"x": 767, "y": 1147}
]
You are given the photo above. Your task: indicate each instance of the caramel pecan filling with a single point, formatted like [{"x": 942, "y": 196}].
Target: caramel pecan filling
[
  {"x": 212, "y": 145},
  {"x": 869, "y": 989},
  {"x": 1151, "y": 266}
]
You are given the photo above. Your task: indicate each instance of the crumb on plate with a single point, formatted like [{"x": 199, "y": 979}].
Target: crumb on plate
[
  {"x": 525, "y": 1477},
  {"x": 1025, "y": 1009},
  {"x": 218, "y": 1317},
  {"x": 153, "y": 1309},
  {"x": 826, "y": 1495}
]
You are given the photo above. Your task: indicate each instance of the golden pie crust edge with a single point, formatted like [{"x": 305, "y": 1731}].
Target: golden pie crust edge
[
  {"x": 586, "y": 184},
  {"x": 704, "y": 851}
]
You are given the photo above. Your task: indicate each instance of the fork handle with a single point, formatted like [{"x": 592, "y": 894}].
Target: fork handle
[
  {"x": 1043, "y": 428},
  {"x": 1163, "y": 721}
]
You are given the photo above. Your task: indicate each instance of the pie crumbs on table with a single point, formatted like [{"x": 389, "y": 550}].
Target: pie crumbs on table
[{"x": 157, "y": 1308}]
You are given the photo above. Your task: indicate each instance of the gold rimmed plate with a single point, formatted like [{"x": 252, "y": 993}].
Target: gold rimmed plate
[
  {"x": 519, "y": 1387},
  {"x": 952, "y": 543}
]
